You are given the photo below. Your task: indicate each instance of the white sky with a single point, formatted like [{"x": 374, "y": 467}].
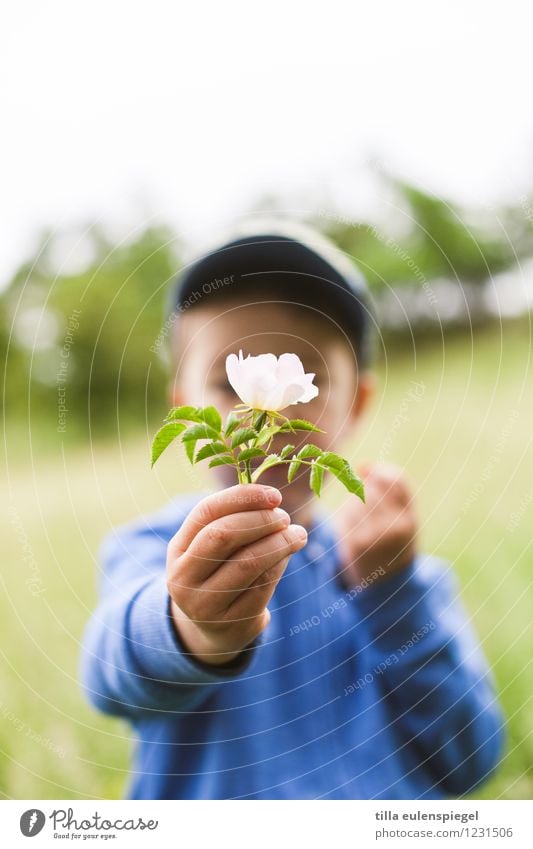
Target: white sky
[{"x": 191, "y": 111}]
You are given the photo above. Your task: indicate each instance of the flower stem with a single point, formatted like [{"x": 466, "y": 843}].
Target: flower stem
[{"x": 257, "y": 419}]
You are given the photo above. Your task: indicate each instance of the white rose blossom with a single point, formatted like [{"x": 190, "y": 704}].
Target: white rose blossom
[{"x": 268, "y": 383}]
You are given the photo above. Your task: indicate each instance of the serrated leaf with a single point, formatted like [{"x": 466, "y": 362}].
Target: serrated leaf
[
  {"x": 164, "y": 436},
  {"x": 294, "y": 465},
  {"x": 190, "y": 445},
  {"x": 186, "y": 413},
  {"x": 309, "y": 451},
  {"x": 267, "y": 434},
  {"x": 316, "y": 477},
  {"x": 232, "y": 422},
  {"x": 221, "y": 461},
  {"x": 271, "y": 460},
  {"x": 333, "y": 461},
  {"x": 200, "y": 431},
  {"x": 353, "y": 483},
  {"x": 242, "y": 434},
  {"x": 286, "y": 451},
  {"x": 210, "y": 450},
  {"x": 192, "y": 434},
  {"x": 299, "y": 424},
  {"x": 210, "y": 416},
  {"x": 344, "y": 473},
  {"x": 250, "y": 453}
]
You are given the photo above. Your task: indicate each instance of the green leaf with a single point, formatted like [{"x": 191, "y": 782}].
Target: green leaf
[
  {"x": 333, "y": 461},
  {"x": 190, "y": 445},
  {"x": 195, "y": 432},
  {"x": 299, "y": 424},
  {"x": 293, "y": 469},
  {"x": 188, "y": 414},
  {"x": 210, "y": 450},
  {"x": 286, "y": 451},
  {"x": 200, "y": 431},
  {"x": 271, "y": 460},
  {"x": 232, "y": 422},
  {"x": 309, "y": 451},
  {"x": 210, "y": 416},
  {"x": 352, "y": 482},
  {"x": 221, "y": 461},
  {"x": 316, "y": 477},
  {"x": 250, "y": 453},
  {"x": 164, "y": 436},
  {"x": 243, "y": 434},
  {"x": 267, "y": 434},
  {"x": 344, "y": 473}
]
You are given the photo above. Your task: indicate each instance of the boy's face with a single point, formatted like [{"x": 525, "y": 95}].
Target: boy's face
[{"x": 208, "y": 334}]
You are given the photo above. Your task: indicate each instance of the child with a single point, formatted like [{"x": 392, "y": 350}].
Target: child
[{"x": 283, "y": 653}]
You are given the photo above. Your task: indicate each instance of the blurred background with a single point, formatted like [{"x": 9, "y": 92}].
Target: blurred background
[{"x": 133, "y": 132}]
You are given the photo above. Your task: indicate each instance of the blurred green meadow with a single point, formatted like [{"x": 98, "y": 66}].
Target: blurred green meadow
[{"x": 456, "y": 411}]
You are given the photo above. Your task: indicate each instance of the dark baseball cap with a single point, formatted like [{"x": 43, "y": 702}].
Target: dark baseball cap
[{"x": 296, "y": 265}]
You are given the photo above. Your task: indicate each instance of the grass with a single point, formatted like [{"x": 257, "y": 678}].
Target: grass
[{"x": 457, "y": 416}]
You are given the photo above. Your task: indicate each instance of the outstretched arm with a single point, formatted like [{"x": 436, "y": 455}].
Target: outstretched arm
[{"x": 180, "y": 615}]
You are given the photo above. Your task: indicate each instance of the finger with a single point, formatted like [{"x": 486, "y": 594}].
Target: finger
[
  {"x": 235, "y": 499},
  {"x": 249, "y": 604},
  {"x": 251, "y": 564},
  {"x": 218, "y": 541}
]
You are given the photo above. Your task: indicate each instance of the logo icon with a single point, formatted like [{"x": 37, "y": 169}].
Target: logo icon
[{"x": 32, "y": 822}]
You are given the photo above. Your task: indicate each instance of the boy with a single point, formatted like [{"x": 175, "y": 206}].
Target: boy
[{"x": 283, "y": 653}]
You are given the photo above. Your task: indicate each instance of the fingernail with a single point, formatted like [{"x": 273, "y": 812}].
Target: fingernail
[
  {"x": 281, "y": 514},
  {"x": 273, "y": 495},
  {"x": 298, "y": 533}
]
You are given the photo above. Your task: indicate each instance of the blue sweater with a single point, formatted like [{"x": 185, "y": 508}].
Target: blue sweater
[{"x": 378, "y": 692}]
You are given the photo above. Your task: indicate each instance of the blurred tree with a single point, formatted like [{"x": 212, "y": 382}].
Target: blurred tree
[
  {"x": 439, "y": 241},
  {"x": 431, "y": 263},
  {"x": 106, "y": 319}
]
